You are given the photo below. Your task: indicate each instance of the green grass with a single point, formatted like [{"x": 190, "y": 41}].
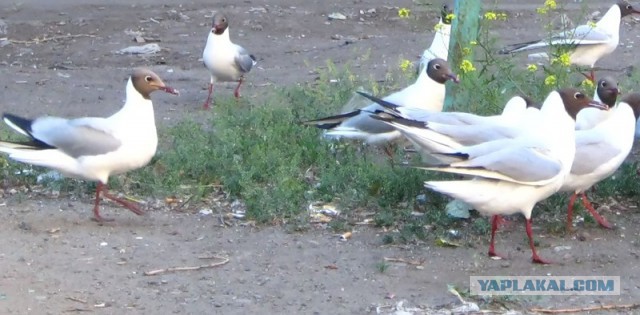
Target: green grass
[{"x": 258, "y": 152}]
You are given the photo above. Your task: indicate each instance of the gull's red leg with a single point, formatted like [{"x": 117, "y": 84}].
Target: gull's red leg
[
  {"x": 236, "y": 92},
  {"x": 496, "y": 220},
  {"x": 601, "y": 220},
  {"x": 206, "y": 103},
  {"x": 591, "y": 76},
  {"x": 570, "y": 212},
  {"x": 96, "y": 205},
  {"x": 129, "y": 205},
  {"x": 535, "y": 258}
]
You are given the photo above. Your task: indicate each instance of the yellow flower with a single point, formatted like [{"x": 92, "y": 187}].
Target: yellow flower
[
  {"x": 450, "y": 16},
  {"x": 592, "y": 24},
  {"x": 404, "y": 13},
  {"x": 405, "y": 65},
  {"x": 438, "y": 27},
  {"x": 466, "y": 66},
  {"x": 466, "y": 51},
  {"x": 542, "y": 10},
  {"x": 587, "y": 84},
  {"x": 564, "y": 59},
  {"x": 532, "y": 67},
  {"x": 473, "y": 43},
  {"x": 548, "y": 5},
  {"x": 491, "y": 16},
  {"x": 550, "y": 80}
]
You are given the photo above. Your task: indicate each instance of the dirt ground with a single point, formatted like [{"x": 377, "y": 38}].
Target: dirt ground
[{"x": 54, "y": 259}]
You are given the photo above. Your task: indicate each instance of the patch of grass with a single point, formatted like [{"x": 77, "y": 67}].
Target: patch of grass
[
  {"x": 382, "y": 266},
  {"x": 339, "y": 225},
  {"x": 261, "y": 154}
]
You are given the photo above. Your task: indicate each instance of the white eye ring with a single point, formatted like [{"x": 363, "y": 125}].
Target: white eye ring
[
  {"x": 147, "y": 78},
  {"x": 437, "y": 66},
  {"x": 578, "y": 95}
]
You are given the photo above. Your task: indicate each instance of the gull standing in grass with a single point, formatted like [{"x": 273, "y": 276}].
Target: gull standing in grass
[
  {"x": 226, "y": 61},
  {"x": 93, "y": 148},
  {"x": 512, "y": 174},
  {"x": 434, "y": 132},
  {"x": 426, "y": 93},
  {"x": 599, "y": 153},
  {"x": 588, "y": 43},
  {"x": 440, "y": 44}
]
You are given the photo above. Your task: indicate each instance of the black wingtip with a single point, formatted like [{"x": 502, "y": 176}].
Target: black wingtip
[
  {"x": 390, "y": 117},
  {"x": 379, "y": 101},
  {"x": 331, "y": 121},
  {"x": 18, "y": 122},
  {"x": 23, "y": 126},
  {"x": 460, "y": 155}
]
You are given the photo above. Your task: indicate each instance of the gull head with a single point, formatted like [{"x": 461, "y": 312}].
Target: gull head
[
  {"x": 608, "y": 90},
  {"x": 626, "y": 8},
  {"x": 146, "y": 81},
  {"x": 439, "y": 70},
  {"x": 574, "y": 101},
  {"x": 220, "y": 23}
]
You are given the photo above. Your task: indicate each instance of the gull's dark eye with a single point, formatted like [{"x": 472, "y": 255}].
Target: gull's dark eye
[
  {"x": 603, "y": 84},
  {"x": 148, "y": 78},
  {"x": 437, "y": 66},
  {"x": 629, "y": 7},
  {"x": 224, "y": 20},
  {"x": 578, "y": 95}
]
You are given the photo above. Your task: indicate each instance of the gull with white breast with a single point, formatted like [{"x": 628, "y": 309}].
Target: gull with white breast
[
  {"x": 226, "y": 61},
  {"x": 94, "y": 148},
  {"x": 426, "y": 93},
  {"x": 512, "y": 174},
  {"x": 599, "y": 153}
]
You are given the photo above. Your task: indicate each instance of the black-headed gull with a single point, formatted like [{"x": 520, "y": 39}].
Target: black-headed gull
[
  {"x": 512, "y": 174},
  {"x": 226, "y": 61},
  {"x": 438, "y": 131},
  {"x": 434, "y": 131},
  {"x": 440, "y": 44},
  {"x": 93, "y": 148},
  {"x": 426, "y": 93},
  {"x": 599, "y": 153},
  {"x": 606, "y": 92},
  {"x": 589, "y": 43}
]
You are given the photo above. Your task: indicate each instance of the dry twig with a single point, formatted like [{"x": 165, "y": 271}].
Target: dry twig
[
  {"x": 402, "y": 260},
  {"x": 46, "y": 39},
  {"x": 75, "y": 299},
  {"x": 223, "y": 261},
  {"x": 586, "y": 309}
]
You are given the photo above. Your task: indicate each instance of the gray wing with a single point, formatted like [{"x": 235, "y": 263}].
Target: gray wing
[
  {"x": 583, "y": 34},
  {"x": 592, "y": 153},
  {"x": 521, "y": 163},
  {"x": 80, "y": 137},
  {"x": 243, "y": 60},
  {"x": 364, "y": 122}
]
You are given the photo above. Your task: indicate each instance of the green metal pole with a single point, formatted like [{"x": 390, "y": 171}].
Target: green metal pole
[{"x": 464, "y": 29}]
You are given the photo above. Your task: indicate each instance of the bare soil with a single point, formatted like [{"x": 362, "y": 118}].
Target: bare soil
[{"x": 54, "y": 259}]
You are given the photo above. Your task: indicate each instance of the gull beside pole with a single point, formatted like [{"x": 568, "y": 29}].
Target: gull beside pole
[{"x": 464, "y": 29}]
